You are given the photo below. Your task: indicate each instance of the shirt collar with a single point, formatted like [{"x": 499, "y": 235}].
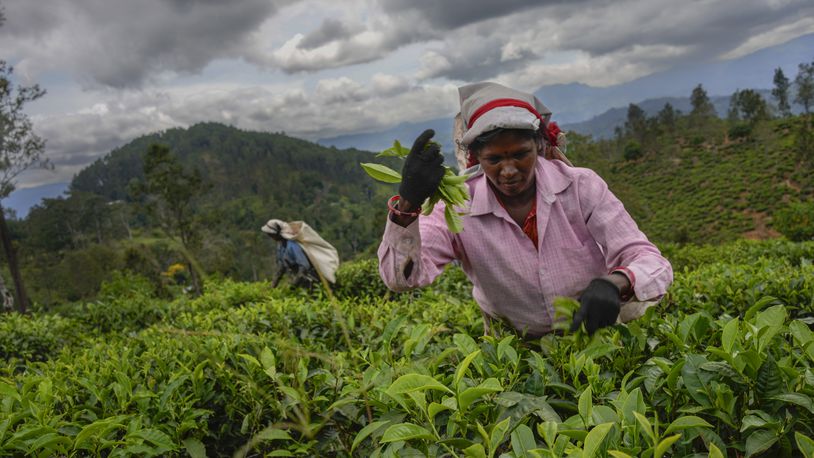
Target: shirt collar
[{"x": 550, "y": 181}]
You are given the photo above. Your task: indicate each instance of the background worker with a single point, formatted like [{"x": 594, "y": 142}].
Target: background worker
[{"x": 291, "y": 260}]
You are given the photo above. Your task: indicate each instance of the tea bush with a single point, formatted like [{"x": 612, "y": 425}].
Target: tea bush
[{"x": 721, "y": 367}]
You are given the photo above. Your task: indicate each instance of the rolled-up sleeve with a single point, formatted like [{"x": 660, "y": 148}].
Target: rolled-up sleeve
[
  {"x": 623, "y": 244},
  {"x": 426, "y": 242}
]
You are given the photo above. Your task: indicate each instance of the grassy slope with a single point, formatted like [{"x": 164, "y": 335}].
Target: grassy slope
[{"x": 713, "y": 191}]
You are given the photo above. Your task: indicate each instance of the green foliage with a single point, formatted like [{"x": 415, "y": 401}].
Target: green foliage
[
  {"x": 713, "y": 189},
  {"x": 37, "y": 337},
  {"x": 452, "y": 190},
  {"x": 740, "y": 130},
  {"x": 360, "y": 278},
  {"x": 804, "y": 82},
  {"x": 633, "y": 151},
  {"x": 748, "y": 105},
  {"x": 723, "y": 366},
  {"x": 780, "y": 92},
  {"x": 702, "y": 107},
  {"x": 20, "y": 147},
  {"x": 796, "y": 221}
]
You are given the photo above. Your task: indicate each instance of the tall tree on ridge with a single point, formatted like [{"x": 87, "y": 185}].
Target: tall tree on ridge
[
  {"x": 702, "y": 108},
  {"x": 781, "y": 92},
  {"x": 20, "y": 149},
  {"x": 805, "y": 87},
  {"x": 169, "y": 191}
]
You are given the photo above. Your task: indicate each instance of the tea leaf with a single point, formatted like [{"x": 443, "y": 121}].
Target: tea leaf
[
  {"x": 381, "y": 172},
  {"x": 463, "y": 367},
  {"x": 665, "y": 444},
  {"x": 585, "y": 406},
  {"x": 646, "y": 427},
  {"x": 759, "y": 441},
  {"x": 594, "y": 439},
  {"x": 475, "y": 451},
  {"x": 805, "y": 444},
  {"x": 715, "y": 452},
  {"x": 367, "y": 431},
  {"x": 498, "y": 434},
  {"x": 686, "y": 422},
  {"x": 470, "y": 395},
  {"x": 523, "y": 441},
  {"x": 405, "y": 432},
  {"x": 416, "y": 382},
  {"x": 194, "y": 447}
]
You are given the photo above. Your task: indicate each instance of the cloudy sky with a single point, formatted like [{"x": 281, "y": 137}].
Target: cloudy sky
[{"x": 116, "y": 69}]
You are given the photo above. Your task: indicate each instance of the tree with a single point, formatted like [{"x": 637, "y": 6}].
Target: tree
[
  {"x": 749, "y": 106},
  {"x": 20, "y": 149},
  {"x": 781, "y": 92},
  {"x": 636, "y": 124},
  {"x": 733, "y": 115},
  {"x": 795, "y": 221},
  {"x": 169, "y": 192},
  {"x": 633, "y": 151},
  {"x": 667, "y": 117},
  {"x": 702, "y": 108},
  {"x": 805, "y": 97},
  {"x": 805, "y": 87}
]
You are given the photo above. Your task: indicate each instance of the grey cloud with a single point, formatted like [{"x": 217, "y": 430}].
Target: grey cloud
[
  {"x": 478, "y": 58},
  {"x": 76, "y": 140},
  {"x": 361, "y": 47},
  {"x": 330, "y": 30},
  {"x": 713, "y": 29},
  {"x": 451, "y": 14},
  {"x": 634, "y": 37},
  {"x": 124, "y": 44}
]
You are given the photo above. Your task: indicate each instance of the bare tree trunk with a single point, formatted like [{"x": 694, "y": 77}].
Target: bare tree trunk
[
  {"x": 6, "y": 296},
  {"x": 126, "y": 225},
  {"x": 11, "y": 256}
]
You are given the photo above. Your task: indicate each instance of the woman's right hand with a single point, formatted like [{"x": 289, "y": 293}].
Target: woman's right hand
[{"x": 422, "y": 172}]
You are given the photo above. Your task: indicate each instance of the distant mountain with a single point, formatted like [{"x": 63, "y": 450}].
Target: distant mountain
[
  {"x": 405, "y": 133},
  {"x": 603, "y": 126},
  {"x": 22, "y": 200},
  {"x": 573, "y": 103},
  {"x": 576, "y": 103}
]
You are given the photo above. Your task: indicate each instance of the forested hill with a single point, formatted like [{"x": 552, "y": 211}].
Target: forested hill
[
  {"x": 248, "y": 177},
  {"x": 254, "y": 176},
  {"x": 683, "y": 178},
  {"x": 282, "y": 170}
]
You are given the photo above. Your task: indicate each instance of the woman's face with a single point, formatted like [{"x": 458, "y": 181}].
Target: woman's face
[{"x": 508, "y": 162}]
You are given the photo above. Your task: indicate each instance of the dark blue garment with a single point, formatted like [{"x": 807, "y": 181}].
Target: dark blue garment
[{"x": 292, "y": 258}]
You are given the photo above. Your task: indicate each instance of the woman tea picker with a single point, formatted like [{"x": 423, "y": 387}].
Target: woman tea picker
[{"x": 536, "y": 228}]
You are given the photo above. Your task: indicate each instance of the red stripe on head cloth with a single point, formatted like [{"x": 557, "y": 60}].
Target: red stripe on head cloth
[{"x": 479, "y": 102}]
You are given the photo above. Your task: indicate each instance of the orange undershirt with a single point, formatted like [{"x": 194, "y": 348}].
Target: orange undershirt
[{"x": 530, "y": 223}]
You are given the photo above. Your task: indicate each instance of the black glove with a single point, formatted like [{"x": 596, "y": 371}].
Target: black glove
[
  {"x": 423, "y": 170},
  {"x": 599, "y": 306}
]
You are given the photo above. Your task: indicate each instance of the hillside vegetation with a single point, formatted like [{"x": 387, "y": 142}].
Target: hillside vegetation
[
  {"x": 684, "y": 178},
  {"x": 722, "y": 367},
  {"x": 70, "y": 245}
]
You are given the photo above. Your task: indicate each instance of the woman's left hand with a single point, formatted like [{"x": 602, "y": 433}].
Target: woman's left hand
[{"x": 599, "y": 305}]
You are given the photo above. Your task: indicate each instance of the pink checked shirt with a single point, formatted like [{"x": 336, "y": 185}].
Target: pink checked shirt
[{"x": 584, "y": 232}]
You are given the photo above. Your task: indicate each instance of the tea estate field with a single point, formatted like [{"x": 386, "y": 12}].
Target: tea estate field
[{"x": 721, "y": 368}]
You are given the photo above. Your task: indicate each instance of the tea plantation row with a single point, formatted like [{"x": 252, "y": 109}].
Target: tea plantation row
[{"x": 722, "y": 367}]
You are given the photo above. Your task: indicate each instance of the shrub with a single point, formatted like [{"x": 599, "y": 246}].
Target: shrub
[
  {"x": 35, "y": 337},
  {"x": 633, "y": 151},
  {"x": 126, "y": 302},
  {"x": 359, "y": 278},
  {"x": 740, "y": 130},
  {"x": 795, "y": 221}
]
